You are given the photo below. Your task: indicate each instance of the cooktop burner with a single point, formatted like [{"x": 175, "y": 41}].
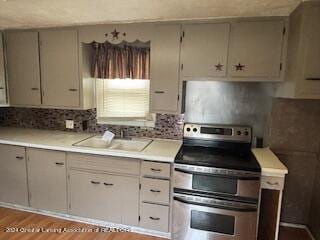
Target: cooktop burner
[
  {"x": 218, "y": 146},
  {"x": 218, "y": 158}
]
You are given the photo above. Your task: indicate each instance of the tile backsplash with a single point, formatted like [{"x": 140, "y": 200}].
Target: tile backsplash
[{"x": 167, "y": 126}]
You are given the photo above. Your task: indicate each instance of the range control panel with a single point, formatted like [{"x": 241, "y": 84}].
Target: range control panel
[{"x": 218, "y": 132}]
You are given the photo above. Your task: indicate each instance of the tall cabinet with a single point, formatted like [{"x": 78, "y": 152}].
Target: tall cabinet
[
  {"x": 59, "y": 68},
  {"x": 23, "y": 68},
  {"x": 303, "y": 68},
  {"x": 3, "y": 88},
  {"x": 43, "y": 69},
  {"x": 165, "y": 60}
]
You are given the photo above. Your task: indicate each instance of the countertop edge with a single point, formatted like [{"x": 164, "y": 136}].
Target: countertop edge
[
  {"x": 90, "y": 151},
  {"x": 279, "y": 171}
]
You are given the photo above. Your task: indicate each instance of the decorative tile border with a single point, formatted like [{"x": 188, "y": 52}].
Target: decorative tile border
[{"x": 167, "y": 126}]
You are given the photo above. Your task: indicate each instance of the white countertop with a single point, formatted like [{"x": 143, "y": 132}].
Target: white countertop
[
  {"x": 269, "y": 162},
  {"x": 159, "y": 150}
]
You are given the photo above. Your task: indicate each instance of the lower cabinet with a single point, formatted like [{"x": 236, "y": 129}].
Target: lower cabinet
[
  {"x": 13, "y": 175},
  {"x": 47, "y": 180},
  {"x": 106, "y": 197}
]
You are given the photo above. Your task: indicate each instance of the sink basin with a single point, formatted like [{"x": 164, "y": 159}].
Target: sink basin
[{"x": 132, "y": 144}]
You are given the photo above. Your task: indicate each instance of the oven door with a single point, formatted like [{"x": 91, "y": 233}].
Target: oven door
[
  {"x": 220, "y": 181},
  {"x": 194, "y": 219}
]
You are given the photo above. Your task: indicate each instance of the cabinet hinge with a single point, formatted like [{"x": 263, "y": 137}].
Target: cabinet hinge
[
  {"x": 181, "y": 66},
  {"x": 284, "y": 31},
  {"x": 139, "y": 218},
  {"x": 280, "y": 66}
]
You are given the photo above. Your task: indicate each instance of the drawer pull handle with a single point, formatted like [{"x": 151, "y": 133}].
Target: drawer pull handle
[
  {"x": 154, "y": 191},
  {"x": 155, "y": 169},
  {"x": 73, "y": 89},
  {"x": 95, "y": 182},
  {"x": 34, "y": 89},
  {"x": 313, "y": 79},
  {"x": 1, "y": 88},
  {"x": 108, "y": 184},
  {"x": 59, "y": 163},
  {"x": 19, "y": 157},
  {"x": 273, "y": 184},
  {"x": 154, "y": 218},
  {"x": 159, "y": 92}
]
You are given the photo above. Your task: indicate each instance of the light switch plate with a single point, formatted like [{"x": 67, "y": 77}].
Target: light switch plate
[{"x": 69, "y": 124}]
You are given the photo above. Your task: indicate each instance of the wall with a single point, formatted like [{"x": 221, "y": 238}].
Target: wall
[
  {"x": 242, "y": 103},
  {"x": 167, "y": 125},
  {"x": 295, "y": 138}
]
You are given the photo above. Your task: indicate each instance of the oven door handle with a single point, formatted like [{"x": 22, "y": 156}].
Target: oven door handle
[
  {"x": 233, "y": 208},
  {"x": 217, "y": 175}
]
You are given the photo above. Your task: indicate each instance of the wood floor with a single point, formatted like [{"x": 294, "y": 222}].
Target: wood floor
[{"x": 17, "y": 219}]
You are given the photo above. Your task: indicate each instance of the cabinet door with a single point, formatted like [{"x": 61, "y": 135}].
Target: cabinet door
[
  {"x": 23, "y": 68},
  {"x": 165, "y": 51},
  {"x": 3, "y": 91},
  {"x": 105, "y": 197},
  {"x": 310, "y": 84},
  {"x": 13, "y": 175},
  {"x": 205, "y": 50},
  {"x": 256, "y": 49},
  {"x": 47, "y": 180},
  {"x": 59, "y": 68}
]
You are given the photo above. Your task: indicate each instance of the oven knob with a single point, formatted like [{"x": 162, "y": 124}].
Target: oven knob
[
  {"x": 246, "y": 133},
  {"x": 188, "y": 129},
  {"x": 195, "y": 130},
  {"x": 238, "y": 132}
]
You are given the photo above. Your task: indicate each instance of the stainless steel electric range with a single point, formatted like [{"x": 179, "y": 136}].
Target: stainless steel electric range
[{"x": 216, "y": 184}]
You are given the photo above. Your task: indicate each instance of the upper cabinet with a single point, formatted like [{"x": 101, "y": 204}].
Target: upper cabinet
[
  {"x": 3, "y": 88},
  {"x": 23, "y": 68},
  {"x": 256, "y": 49},
  {"x": 205, "y": 50},
  {"x": 165, "y": 62},
  {"x": 303, "y": 72},
  {"x": 43, "y": 70},
  {"x": 236, "y": 50},
  {"x": 59, "y": 68}
]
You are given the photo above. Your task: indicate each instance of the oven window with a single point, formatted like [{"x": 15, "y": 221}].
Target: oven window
[
  {"x": 214, "y": 184},
  {"x": 212, "y": 222}
]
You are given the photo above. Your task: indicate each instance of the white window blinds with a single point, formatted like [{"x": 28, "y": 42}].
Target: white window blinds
[{"x": 122, "y": 98}]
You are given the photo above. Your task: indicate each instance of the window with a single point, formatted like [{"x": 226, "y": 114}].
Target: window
[
  {"x": 118, "y": 98},
  {"x": 122, "y": 83}
]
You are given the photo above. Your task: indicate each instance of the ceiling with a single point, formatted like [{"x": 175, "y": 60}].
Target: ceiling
[{"x": 48, "y": 13}]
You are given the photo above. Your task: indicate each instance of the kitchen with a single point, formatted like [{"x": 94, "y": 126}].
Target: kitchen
[{"x": 197, "y": 123}]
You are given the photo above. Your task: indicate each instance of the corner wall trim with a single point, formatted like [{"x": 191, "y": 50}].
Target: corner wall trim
[{"x": 292, "y": 225}]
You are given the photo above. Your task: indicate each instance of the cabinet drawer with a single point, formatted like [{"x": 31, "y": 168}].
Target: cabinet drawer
[
  {"x": 155, "y": 190},
  {"x": 155, "y": 169},
  {"x": 104, "y": 163},
  {"x": 275, "y": 183},
  {"x": 155, "y": 217}
]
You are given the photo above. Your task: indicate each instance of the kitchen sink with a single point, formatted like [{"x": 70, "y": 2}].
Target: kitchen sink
[{"x": 125, "y": 144}]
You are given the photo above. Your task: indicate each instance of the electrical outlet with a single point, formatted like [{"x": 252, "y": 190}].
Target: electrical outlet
[{"x": 69, "y": 124}]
